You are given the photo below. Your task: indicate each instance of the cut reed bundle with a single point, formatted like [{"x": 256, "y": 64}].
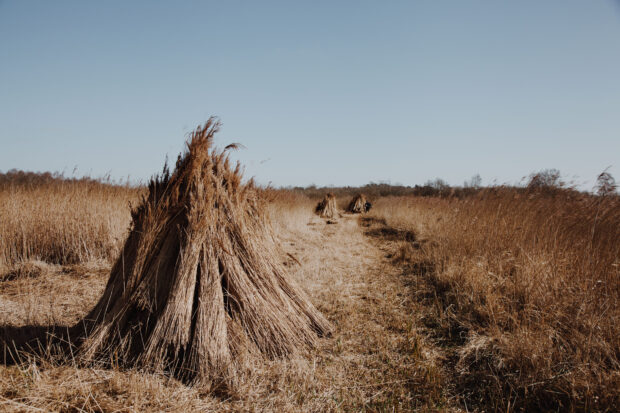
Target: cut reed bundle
[
  {"x": 358, "y": 205},
  {"x": 327, "y": 207},
  {"x": 199, "y": 280}
]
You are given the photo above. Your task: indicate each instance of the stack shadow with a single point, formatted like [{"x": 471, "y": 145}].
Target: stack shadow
[{"x": 18, "y": 343}]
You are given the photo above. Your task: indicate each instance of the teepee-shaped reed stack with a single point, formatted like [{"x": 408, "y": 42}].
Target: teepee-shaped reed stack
[{"x": 199, "y": 278}]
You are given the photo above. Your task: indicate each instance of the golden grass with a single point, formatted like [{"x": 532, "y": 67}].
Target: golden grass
[
  {"x": 63, "y": 222},
  {"x": 523, "y": 291}
]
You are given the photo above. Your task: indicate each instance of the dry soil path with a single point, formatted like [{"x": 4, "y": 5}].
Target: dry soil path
[{"x": 377, "y": 358}]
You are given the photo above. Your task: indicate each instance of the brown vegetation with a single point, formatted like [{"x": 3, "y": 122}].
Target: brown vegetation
[
  {"x": 374, "y": 360},
  {"x": 489, "y": 299},
  {"x": 62, "y": 221},
  {"x": 523, "y": 291}
]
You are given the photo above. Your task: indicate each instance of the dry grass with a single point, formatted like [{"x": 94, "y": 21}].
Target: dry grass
[
  {"x": 504, "y": 301},
  {"x": 522, "y": 291},
  {"x": 63, "y": 222}
]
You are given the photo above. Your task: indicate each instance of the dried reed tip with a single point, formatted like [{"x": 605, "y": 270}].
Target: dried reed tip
[{"x": 199, "y": 284}]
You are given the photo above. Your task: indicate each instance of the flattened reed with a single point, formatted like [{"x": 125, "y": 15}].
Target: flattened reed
[{"x": 62, "y": 221}]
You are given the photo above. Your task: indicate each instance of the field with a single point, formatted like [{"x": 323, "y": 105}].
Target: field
[{"x": 499, "y": 299}]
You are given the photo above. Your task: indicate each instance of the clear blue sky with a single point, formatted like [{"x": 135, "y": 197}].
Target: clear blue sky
[{"x": 319, "y": 92}]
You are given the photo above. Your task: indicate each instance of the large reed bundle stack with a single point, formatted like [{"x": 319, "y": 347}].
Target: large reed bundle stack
[{"x": 199, "y": 279}]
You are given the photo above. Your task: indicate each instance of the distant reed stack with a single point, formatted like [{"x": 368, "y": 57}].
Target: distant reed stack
[
  {"x": 327, "y": 207},
  {"x": 359, "y": 205}
]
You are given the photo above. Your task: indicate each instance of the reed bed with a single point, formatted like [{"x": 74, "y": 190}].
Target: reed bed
[
  {"x": 525, "y": 289},
  {"x": 63, "y": 221}
]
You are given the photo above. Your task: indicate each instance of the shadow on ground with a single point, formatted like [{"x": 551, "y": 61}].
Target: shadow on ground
[
  {"x": 24, "y": 342},
  {"x": 378, "y": 228}
]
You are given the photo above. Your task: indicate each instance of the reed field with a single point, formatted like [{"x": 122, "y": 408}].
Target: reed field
[
  {"x": 498, "y": 299},
  {"x": 62, "y": 221},
  {"x": 523, "y": 292}
]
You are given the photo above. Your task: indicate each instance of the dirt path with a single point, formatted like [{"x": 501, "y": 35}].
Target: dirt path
[{"x": 377, "y": 360}]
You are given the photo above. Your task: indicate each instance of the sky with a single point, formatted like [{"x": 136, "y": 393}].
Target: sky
[{"x": 321, "y": 92}]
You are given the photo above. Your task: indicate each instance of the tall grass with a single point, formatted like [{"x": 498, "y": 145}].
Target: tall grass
[
  {"x": 289, "y": 210},
  {"x": 48, "y": 218},
  {"x": 527, "y": 287},
  {"x": 63, "y": 221}
]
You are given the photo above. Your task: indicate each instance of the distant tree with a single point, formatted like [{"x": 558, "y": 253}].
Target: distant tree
[
  {"x": 474, "y": 182},
  {"x": 438, "y": 183},
  {"x": 545, "y": 179},
  {"x": 605, "y": 184}
]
